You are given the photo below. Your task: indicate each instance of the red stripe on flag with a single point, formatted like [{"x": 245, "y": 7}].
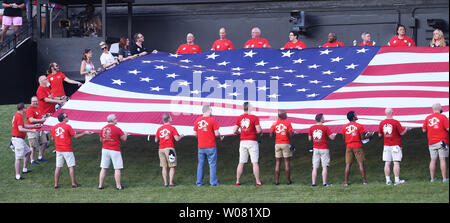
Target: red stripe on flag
[
  {"x": 383, "y": 94},
  {"x": 381, "y": 70},
  {"x": 388, "y": 49},
  {"x": 426, "y": 84}
]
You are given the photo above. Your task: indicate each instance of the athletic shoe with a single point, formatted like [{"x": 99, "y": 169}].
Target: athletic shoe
[
  {"x": 365, "y": 183},
  {"x": 42, "y": 160},
  {"x": 100, "y": 188},
  {"x": 54, "y": 151},
  {"x": 345, "y": 185},
  {"x": 388, "y": 182},
  {"x": 55, "y": 187},
  {"x": 400, "y": 182},
  {"x": 313, "y": 185},
  {"x": 34, "y": 163},
  {"x": 21, "y": 178},
  {"x": 433, "y": 180},
  {"x": 237, "y": 184},
  {"x": 327, "y": 185},
  {"x": 28, "y": 171},
  {"x": 120, "y": 188},
  {"x": 260, "y": 184},
  {"x": 290, "y": 182},
  {"x": 276, "y": 184},
  {"x": 445, "y": 181}
]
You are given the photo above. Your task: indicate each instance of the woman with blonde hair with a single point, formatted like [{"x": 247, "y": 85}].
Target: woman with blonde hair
[{"x": 438, "y": 39}]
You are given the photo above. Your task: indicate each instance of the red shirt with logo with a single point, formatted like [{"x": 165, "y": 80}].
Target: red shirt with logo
[
  {"x": 257, "y": 43},
  {"x": 406, "y": 41},
  {"x": 18, "y": 120},
  {"x": 248, "y": 124},
  {"x": 334, "y": 44},
  {"x": 45, "y": 107},
  {"x": 62, "y": 134},
  {"x": 391, "y": 129},
  {"x": 222, "y": 44},
  {"x": 56, "y": 84},
  {"x": 188, "y": 48},
  {"x": 33, "y": 112},
  {"x": 436, "y": 125},
  {"x": 166, "y": 134},
  {"x": 292, "y": 45},
  {"x": 319, "y": 134},
  {"x": 366, "y": 44},
  {"x": 352, "y": 132},
  {"x": 110, "y": 136},
  {"x": 205, "y": 127},
  {"x": 281, "y": 129}
]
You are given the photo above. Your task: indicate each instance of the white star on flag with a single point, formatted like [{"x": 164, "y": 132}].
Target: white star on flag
[
  {"x": 224, "y": 85},
  {"x": 162, "y": 67},
  {"x": 289, "y": 71},
  {"x": 119, "y": 82},
  {"x": 287, "y": 54},
  {"x": 300, "y": 60},
  {"x": 273, "y": 96},
  {"x": 172, "y": 75},
  {"x": 302, "y": 90},
  {"x": 337, "y": 59},
  {"x": 329, "y": 72},
  {"x": 327, "y": 51},
  {"x": 275, "y": 68},
  {"x": 249, "y": 80},
  {"x": 315, "y": 82},
  {"x": 261, "y": 63},
  {"x": 184, "y": 83},
  {"x": 212, "y": 56},
  {"x": 351, "y": 66},
  {"x": 147, "y": 79},
  {"x": 315, "y": 66},
  {"x": 276, "y": 77},
  {"x": 249, "y": 54},
  {"x": 210, "y": 78},
  {"x": 261, "y": 72},
  {"x": 237, "y": 68},
  {"x": 186, "y": 61},
  {"x": 264, "y": 88},
  {"x": 288, "y": 84},
  {"x": 224, "y": 63},
  {"x": 174, "y": 55},
  {"x": 339, "y": 79},
  {"x": 198, "y": 66},
  {"x": 312, "y": 95},
  {"x": 327, "y": 86},
  {"x": 135, "y": 72},
  {"x": 237, "y": 73},
  {"x": 156, "y": 88},
  {"x": 233, "y": 94},
  {"x": 301, "y": 76},
  {"x": 195, "y": 92},
  {"x": 363, "y": 50}
]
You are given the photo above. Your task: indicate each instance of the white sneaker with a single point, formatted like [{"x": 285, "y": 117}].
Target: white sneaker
[
  {"x": 388, "y": 182},
  {"x": 400, "y": 182}
]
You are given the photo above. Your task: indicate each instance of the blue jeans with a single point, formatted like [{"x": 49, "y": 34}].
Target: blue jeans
[{"x": 211, "y": 154}]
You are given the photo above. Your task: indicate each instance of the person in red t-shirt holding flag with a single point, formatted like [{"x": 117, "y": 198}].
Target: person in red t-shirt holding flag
[
  {"x": 256, "y": 41},
  {"x": 110, "y": 136},
  {"x": 365, "y": 36},
  {"x": 56, "y": 79},
  {"x": 294, "y": 43},
  {"x": 46, "y": 100},
  {"x": 401, "y": 39},
  {"x": 62, "y": 133},
  {"x": 319, "y": 133},
  {"x": 189, "y": 47},
  {"x": 223, "y": 43},
  {"x": 392, "y": 131},
  {"x": 167, "y": 155},
  {"x": 206, "y": 130},
  {"x": 250, "y": 128},
  {"x": 436, "y": 125},
  {"x": 332, "y": 41},
  {"x": 36, "y": 139},
  {"x": 353, "y": 133},
  {"x": 283, "y": 131}
]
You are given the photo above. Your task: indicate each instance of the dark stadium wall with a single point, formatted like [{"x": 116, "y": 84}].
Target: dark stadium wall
[{"x": 18, "y": 70}]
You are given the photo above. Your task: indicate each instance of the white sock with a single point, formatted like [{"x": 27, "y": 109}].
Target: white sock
[
  {"x": 17, "y": 176},
  {"x": 397, "y": 179},
  {"x": 31, "y": 161},
  {"x": 40, "y": 157},
  {"x": 24, "y": 170},
  {"x": 388, "y": 178}
]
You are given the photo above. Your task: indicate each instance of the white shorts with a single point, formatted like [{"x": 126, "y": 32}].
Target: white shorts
[
  {"x": 248, "y": 148},
  {"x": 321, "y": 156},
  {"x": 437, "y": 151},
  {"x": 21, "y": 148},
  {"x": 111, "y": 155},
  {"x": 65, "y": 156},
  {"x": 392, "y": 153}
]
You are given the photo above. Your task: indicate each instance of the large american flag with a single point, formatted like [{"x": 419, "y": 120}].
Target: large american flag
[{"x": 305, "y": 82}]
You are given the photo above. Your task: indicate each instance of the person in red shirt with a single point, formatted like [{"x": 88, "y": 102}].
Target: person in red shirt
[
  {"x": 332, "y": 41},
  {"x": 353, "y": 133},
  {"x": 223, "y": 43},
  {"x": 319, "y": 133},
  {"x": 256, "y": 41},
  {"x": 294, "y": 43},
  {"x": 62, "y": 133},
  {"x": 167, "y": 155},
  {"x": 401, "y": 39},
  {"x": 392, "y": 131},
  {"x": 36, "y": 139},
  {"x": 436, "y": 125},
  {"x": 206, "y": 130},
  {"x": 56, "y": 79},
  {"x": 46, "y": 100},
  {"x": 283, "y": 131},
  {"x": 365, "y": 36},
  {"x": 21, "y": 149},
  {"x": 189, "y": 47},
  {"x": 250, "y": 128},
  {"x": 110, "y": 136}
]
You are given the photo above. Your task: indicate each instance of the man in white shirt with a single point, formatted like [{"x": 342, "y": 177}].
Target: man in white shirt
[{"x": 107, "y": 59}]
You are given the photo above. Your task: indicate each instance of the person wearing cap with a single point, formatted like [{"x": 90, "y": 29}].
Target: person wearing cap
[{"x": 107, "y": 59}]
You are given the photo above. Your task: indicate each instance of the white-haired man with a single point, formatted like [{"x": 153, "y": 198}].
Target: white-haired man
[
  {"x": 189, "y": 47},
  {"x": 392, "y": 131},
  {"x": 256, "y": 41},
  {"x": 436, "y": 125},
  {"x": 110, "y": 136}
]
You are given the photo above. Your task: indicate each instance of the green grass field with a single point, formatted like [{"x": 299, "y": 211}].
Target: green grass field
[{"x": 142, "y": 174}]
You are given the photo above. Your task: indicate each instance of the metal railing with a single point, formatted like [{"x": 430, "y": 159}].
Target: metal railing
[{"x": 14, "y": 40}]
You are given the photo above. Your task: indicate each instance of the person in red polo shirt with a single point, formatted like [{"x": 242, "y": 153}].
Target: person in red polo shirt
[
  {"x": 56, "y": 79},
  {"x": 319, "y": 133},
  {"x": 21, "y": 149},
  {"x": 167, "y": 155},
  {"x": 392, "y": 131},
  {"x": 189, "y": 47},
  {"x": 206, "y": 130},
  {"x": 46, "y": 100},
  {"x": 332, "y": 41},
  {"x": 436, "y": 125},
  {"x": 366, "y": 40},
  {"x": 283, "y": 131},
  {"x": 36, "y": 139},
  {"x": 256, "y": 41},
  {"x": 223, "y": 43},
  {"x": 353, "y": 133},
  {"x": 62, "y": 133},
  {"x": 294, "y": 43},
  {"x": 401, "y": 39},
  {"x": 250, "y": 128},
  {"x": 110, "y": 136}
]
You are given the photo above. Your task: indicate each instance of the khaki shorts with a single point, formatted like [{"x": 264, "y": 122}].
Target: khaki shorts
[
  {"x": 36, "y": 139},
  {"x": 21, "y": 148},
  {"x": 392, "y": 153},
  {"x": 164, "y": 158},
  {"x": 111, "y": 155},
  {"x": 321, "y": 156},
  {"x": 283, "y": 151},
  {"x": 65, "y": 156},
  {"x": 437, "y": 151},
  {"x": 248, "y": 148},
  {"x": 358, "y": 153}
]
